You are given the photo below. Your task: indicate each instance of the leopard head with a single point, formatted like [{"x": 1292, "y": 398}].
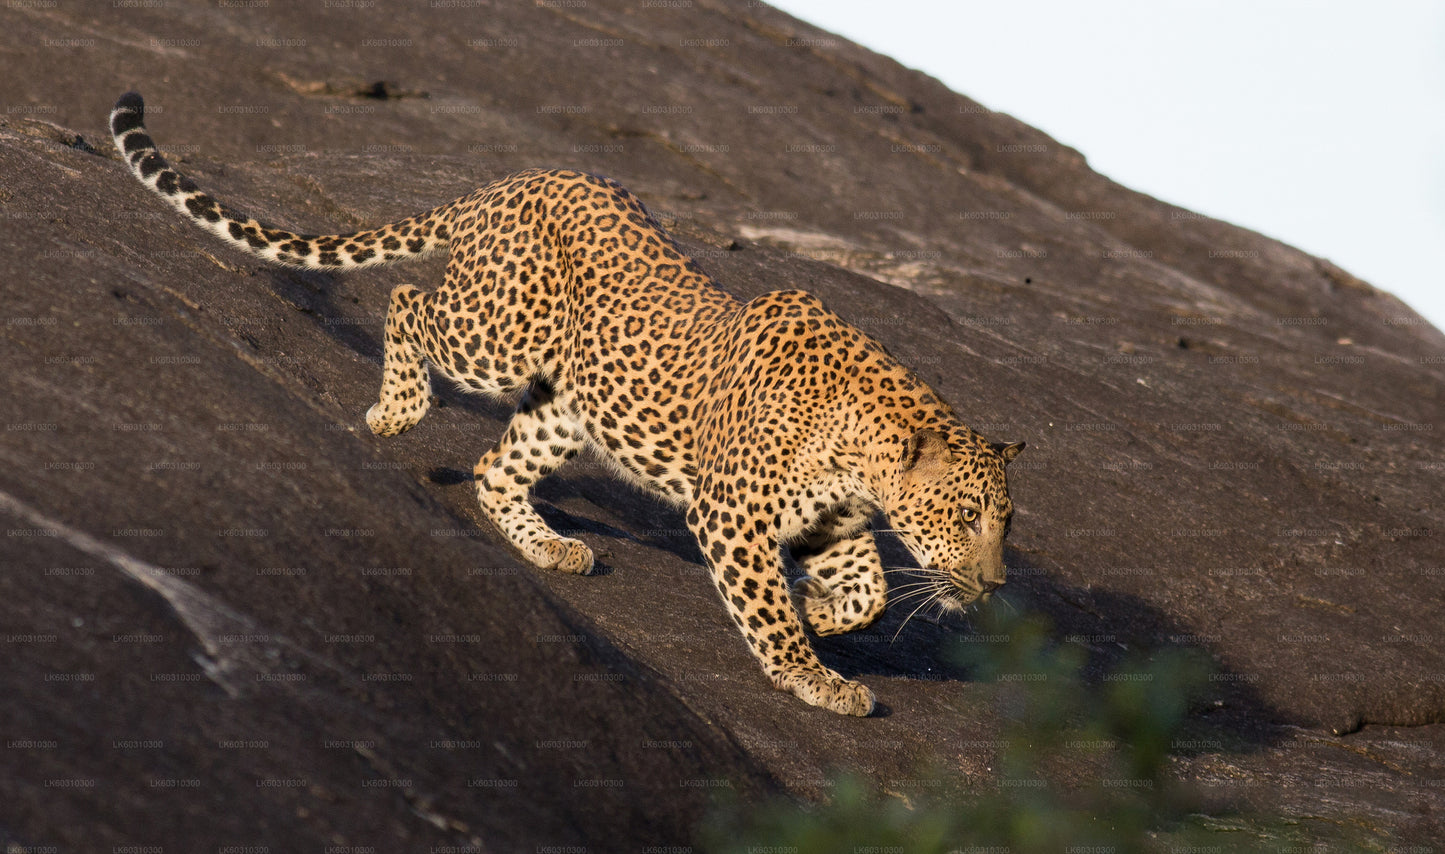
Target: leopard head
[{"x": 950, "y": 507}]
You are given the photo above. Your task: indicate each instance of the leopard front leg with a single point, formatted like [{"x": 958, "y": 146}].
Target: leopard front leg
[
  {"x": 844, "y": 588},
  {"x": 748, "y": 570},
  {"x": 405, "y": 383},
  {"x": 542, "y": 435}
]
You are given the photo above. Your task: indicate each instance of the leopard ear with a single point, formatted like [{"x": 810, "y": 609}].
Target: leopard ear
[
  {"x": 1008, "y": 450},
  {"x": 924, "y": 446}
]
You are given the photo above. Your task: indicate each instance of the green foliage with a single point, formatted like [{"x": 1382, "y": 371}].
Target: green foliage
[{"x": 1079, "y": 767}]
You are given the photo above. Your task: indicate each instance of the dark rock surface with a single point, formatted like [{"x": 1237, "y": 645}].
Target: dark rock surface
[{"x": 232, "y": 615}]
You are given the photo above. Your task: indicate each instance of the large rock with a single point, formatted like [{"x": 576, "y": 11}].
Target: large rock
[{"x": 236, "y": 615}]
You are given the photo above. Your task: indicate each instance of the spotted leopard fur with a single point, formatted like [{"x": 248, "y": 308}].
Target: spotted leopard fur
[{"x": 772, "y": 423}]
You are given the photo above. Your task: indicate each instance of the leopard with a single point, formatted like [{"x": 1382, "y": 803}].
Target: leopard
[{"x": 773, "y": 424}]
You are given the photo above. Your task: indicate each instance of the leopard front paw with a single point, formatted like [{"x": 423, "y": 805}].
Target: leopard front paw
[
  {"x": 565, "y": 555},
  {"x": 830, "y": 691},
  {"x": 384, "y": 423},
  {"x": 816, "y": 605}
]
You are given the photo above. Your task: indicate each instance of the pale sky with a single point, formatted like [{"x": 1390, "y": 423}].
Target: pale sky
[{"x": 1321, "y": 124}]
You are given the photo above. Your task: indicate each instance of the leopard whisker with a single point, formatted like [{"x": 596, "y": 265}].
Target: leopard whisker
[
  {"x": 914, "y": 570},
  {"x": 920, "y": 607},
  {"x": 896, "y": 596},
  {"x": 1004, "y": 599},
  {"x": 930, "y": 583},
  {"x": 894, "y": 600},
  {"x": 916, "y": 585}
]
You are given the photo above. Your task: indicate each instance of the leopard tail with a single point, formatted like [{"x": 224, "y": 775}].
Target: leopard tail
[{"x": 408, "y": 238}]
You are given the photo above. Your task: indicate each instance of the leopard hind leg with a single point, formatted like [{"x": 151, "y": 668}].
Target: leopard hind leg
[
  {"x": 543, "y": 434},
  {"x": 405, "y": 382}
]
